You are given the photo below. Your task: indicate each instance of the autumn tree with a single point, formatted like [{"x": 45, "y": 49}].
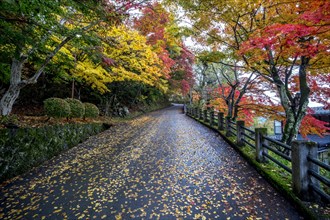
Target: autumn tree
[
  {"x": 275, "y": 39},
  {"x": 163, "y": 34},
  {"x": 240, "y": 94},
  {"x": 123, "y": 55},
  {"x": 234, "y": 89},
  {"x": 213, "y": 25},
  {"x": 298, "y": 47},
  {"x": 182, "y": 71},
  {"x": 30, "y": 32},
  {"x": 131, "y": 58}
]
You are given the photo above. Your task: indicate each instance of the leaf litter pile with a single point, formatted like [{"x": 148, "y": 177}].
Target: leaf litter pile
[{"x": 160, "y": 166}]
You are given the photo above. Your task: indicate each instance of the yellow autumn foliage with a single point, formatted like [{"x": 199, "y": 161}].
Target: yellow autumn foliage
[
  {"x": 95, "y": 76},
  {"x": 133, "y": 60}
]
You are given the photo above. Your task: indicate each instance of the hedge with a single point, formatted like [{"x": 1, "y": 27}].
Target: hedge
[{"x": 24, "y": 148}]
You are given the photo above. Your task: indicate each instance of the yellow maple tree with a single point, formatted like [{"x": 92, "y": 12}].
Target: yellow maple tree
[
  {"x": 132, "y": 58},
  {"x": 122, "y": 56}
]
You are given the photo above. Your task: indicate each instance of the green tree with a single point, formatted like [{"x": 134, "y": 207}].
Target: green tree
[{"x": 34, "y": 32}]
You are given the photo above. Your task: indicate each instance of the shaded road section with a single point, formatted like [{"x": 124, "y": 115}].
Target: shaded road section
[{"x": 163, "y": 165}]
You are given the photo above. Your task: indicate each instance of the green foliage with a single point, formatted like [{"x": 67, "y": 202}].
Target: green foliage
[
  {"x": 6, "y": 119},
  {"x": 77, "y": 108},
  {"x": 91, "y": 111},
  {"x": 4, "y": 73},
  {"x": 29, "y": 23},
  {"x": 56, "y": 107},
  {"x": 24, "y": 148},
  {"x": 69, "y": 41}
]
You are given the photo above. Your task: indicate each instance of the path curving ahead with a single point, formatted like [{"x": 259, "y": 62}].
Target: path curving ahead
[{"x": 163, "y": 165}]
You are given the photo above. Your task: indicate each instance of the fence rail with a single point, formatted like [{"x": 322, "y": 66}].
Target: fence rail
[
  {"x": 277, "y": 162},
  {"x": 300, "y": 161},
  {"x": 319, "y": 163},
  {"x": 250, "y": 137},
  {"x": 323, "y": 180},
  {"x": 279, "y": 153},
  {"x": 249, "y": 130},
  {"x": 232, "y": 122},
  {"x": 249, "y": 144},
  {"x": 287, "y": 147},
  {"x": 232, "y": 127}
]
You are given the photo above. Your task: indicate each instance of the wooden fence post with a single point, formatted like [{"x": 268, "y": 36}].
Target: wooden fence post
[
  {"x": 220, "y": 121},
  {"x": 205, "y": 115},
  {"x": 260, "y": 149},
  {"x": 201, "y": 114},
  {"x": 300, "y": 166},
  {"x": 228, "y": 129},
  {"x": 212, "y": 117},
  {"x": 240, "y": 133}
]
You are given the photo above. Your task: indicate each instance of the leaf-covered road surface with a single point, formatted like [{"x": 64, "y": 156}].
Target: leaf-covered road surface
[{"x": 163, "y": 165}]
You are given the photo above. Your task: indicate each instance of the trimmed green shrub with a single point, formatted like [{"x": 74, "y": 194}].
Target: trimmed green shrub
[
  {"x": 91, "y": 111},
  {"x": 56, "y": 107},
  {"x": 77, "y": 108}
]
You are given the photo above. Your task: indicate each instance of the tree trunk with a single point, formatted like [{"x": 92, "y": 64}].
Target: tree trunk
[
  {"x": 231, "y": 102},
  {"x": 107, "y": 107},
  {"x": 296, "y": 111},
  {"x": 230, "y": 108},
  {"x": 293, "y": 123},
  {"x": 8, "y": 100},
  {"x": 10, "y": 96},
  {"x": 72, "y": 89},
  {"x": 235, "y": 114},
  {"x": 290, "y": 129}
]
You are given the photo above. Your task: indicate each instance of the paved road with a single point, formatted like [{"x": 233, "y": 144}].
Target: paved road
[{"x": 160, "y": 166}]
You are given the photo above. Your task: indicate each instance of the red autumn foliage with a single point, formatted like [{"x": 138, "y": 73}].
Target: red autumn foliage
[
  {"x": 305, "y": 36},
  {"x": 154, "y": 24},
  {"x": 219, "y": 103},
  {"x": 311, "y": 125},
  {"x": 184, "y": 63}
]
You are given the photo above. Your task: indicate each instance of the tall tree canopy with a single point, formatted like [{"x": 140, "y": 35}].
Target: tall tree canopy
[
  {"x": 123, "y": 55},
  {"x": 163, "y": 34},
  {"x": 277, "y": 40},
  {"x": 33, "y": 32}
]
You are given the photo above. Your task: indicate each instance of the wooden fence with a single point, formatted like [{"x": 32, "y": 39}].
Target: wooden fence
[{"x": 308, "y": 174}]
